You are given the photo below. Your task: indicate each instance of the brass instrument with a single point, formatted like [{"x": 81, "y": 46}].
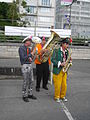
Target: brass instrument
[
  {"x": 50, "y": 45},
  {"x": 68, "y": 63}
]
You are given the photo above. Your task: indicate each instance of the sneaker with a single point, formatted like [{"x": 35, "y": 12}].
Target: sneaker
[
  {"x": 25, "y": 99},
  {"x": 32, "y": 97},
  {"x": 64, "y": 99},
  {"x": 58, "y": 100}
]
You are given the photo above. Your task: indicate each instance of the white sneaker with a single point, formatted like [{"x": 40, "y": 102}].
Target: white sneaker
[
  {"x": 64, "y": 99},
  {"x": 58, "y": 100}
]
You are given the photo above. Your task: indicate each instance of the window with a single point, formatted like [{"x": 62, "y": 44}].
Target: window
[
  {"x": 45, "y": 10},
  {"x": 77, "y": 18},
  {"x": 30, "y": 9},
  {"x": 78, "y": 2},
  {"x": 44, "y": 19},
  {"x": 46, "y": 2},
  {"x": 29, "y": 18}
]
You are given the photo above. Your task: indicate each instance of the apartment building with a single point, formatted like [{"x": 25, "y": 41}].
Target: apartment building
[
  {"x": 40, "y": 13},
  {"x": 76, "y": 17}
]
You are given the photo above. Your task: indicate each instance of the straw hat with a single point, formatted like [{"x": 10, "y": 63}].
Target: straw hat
[{"x": 27, "y": 38}]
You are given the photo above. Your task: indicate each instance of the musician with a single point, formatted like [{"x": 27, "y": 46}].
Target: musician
[
  {"x": 42, "y": 69},
  {"x": 59, "y": 58},
  {"x": 26, "y": 68}
]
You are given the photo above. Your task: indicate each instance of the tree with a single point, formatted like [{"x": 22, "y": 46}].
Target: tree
[
  {"x": 3, "y": 10},
  {"x": 24, "y": 4},
  {"x": 9, "y": 13},
  {"x": 13, "y": 13}
]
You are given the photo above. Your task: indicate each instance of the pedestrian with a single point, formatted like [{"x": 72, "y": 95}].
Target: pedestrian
[
  {"x": 42, "y": 68},
  {"x": 27, "y": 70},
  {"x": 58, "y": 59},
  {"x": 71, "y": 40}
]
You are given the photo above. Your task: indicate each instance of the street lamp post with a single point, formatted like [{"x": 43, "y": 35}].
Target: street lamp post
[
  {"x": 70, "y": 17},
  {"x": 70, "y": 13}
]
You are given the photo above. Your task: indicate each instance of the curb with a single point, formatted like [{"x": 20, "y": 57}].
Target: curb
[{"x": 6, "y": 77}]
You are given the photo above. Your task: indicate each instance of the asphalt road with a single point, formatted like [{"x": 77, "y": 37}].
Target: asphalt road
[{"x": 45, "y": 108}]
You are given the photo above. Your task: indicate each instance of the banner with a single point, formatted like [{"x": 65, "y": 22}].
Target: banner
[
  {"x": 26, "y": 31},
  {"x": 66, "y": 2}
]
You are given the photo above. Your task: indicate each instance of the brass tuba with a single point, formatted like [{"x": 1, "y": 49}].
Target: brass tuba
[{"x": 50, "y": 45}]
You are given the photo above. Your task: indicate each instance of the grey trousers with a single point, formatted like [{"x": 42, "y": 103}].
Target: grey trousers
[{"x": 27, "y": 73}]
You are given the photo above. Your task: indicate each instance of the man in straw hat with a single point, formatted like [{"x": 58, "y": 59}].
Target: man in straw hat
[{"x": 27, "y": 71}]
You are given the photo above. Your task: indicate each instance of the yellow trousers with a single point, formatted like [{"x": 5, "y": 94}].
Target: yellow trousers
[{"x": 60, "y": 84}]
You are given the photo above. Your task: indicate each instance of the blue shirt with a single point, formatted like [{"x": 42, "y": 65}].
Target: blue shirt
[{"x": 24, "y": 58}]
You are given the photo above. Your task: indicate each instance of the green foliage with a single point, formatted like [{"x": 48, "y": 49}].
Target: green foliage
[
  {"x": 24, "y": 3},
  {"x": 12, "y": 12},
  {"x": 28, "y": 9},
  {"x": 17, "y": 1},
  {"x": 13, "y": 39},
  {"x": 8, "y": 13},
  {"x": 3, "y": 10}
]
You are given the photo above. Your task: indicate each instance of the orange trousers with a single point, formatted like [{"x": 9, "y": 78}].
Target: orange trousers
[{"x": 60, "y": 84}]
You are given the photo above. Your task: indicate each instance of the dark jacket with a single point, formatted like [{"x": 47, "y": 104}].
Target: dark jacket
[
  {"x": 24, "y": 58},
  {"x": 56, "y": 57}
]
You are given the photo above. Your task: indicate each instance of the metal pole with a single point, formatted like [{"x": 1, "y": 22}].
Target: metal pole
[
  {"x": 70, "y": 18},
  {"x": 62, "y": 22},
  {"x": 70, "y": 12},
  {"x": 35, "y": 29}
]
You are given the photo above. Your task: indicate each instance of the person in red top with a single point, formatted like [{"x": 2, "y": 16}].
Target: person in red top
[
  {"x": 42, "y": 69},
  {"x": 70, "y": 40}
]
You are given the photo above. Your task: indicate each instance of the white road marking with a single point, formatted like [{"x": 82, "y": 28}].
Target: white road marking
[{"x": 68, "y": 114}]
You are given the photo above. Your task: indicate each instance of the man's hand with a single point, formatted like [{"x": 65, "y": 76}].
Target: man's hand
[
  {"x": 46, "y": 50},
  {"x": 30, "y": 59},
  {"x": 63, "y": 64},
  {"x": 43, "y": 51}
]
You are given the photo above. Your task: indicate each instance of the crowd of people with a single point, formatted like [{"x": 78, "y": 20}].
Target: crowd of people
[{"x": 58, "y": 59}]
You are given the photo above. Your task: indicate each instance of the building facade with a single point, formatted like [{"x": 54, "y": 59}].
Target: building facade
[
  {"x": 39, "y": 13},
  {"x": 75, "y": 16}
]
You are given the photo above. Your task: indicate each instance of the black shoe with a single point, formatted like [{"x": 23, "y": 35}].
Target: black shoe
[
  {"x": 38, "y": 89},
  {"x": 32, "y": 97},
  {"x": 25, "y": 99},
  {"x": 46, "y": 88}
]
